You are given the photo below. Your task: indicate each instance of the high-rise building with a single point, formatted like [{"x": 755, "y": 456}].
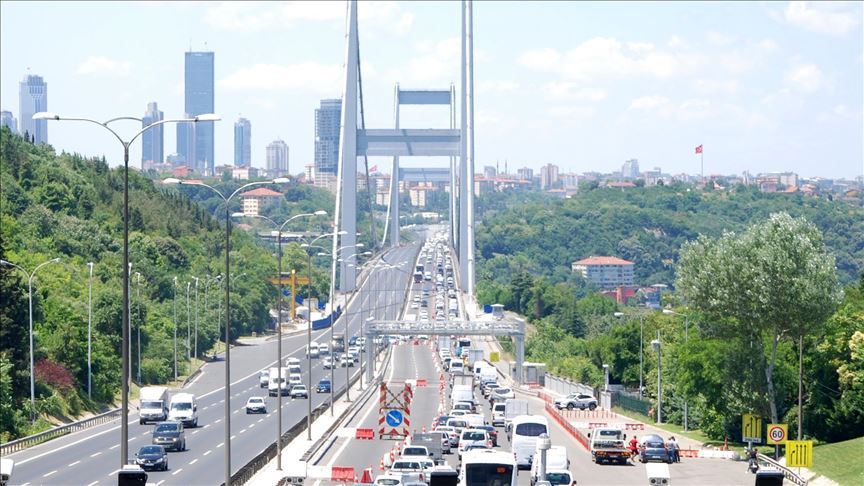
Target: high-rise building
[
  {"x": 7, "y": 120},
  {"x": 630, "y": 169},
  {"x": 327, "y": 120},
  {"x": 33, "y": 98},
  {"x": 277, "y": 158},
  {"x": 152, "y": 146},
  {"x": 490, "y": 172},
  {"x": 186, "y": 135},
  {"x": 525, "y": 173},
  {"x": 548, "y": 176},
  {"x": 242, "y": 142},
  {"x": 199, "y": 100}
]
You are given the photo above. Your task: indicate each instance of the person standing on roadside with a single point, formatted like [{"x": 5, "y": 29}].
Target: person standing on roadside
[
  {"x": 634, "y": 448},
  {"x": 673, "y": 449}
]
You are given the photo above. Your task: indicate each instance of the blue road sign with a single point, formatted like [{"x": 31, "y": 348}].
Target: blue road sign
[
  {"x": 394, "y": 418},
  {"x": 286, "y": 292}
]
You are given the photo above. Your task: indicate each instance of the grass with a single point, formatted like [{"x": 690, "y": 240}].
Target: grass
[
  {"x": 840, "y": 461},
  {"x": 678, "y": 430}
]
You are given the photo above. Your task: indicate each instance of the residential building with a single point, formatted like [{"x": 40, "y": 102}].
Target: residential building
[
  {"x": 548, "y": 176},
  {"x": 152, "y": 147},
  {"x": 257, "y": 199},
  {"x": 526, "y": 173},
  {"x": 244, "y": 172},
  {"x": 325, "y": 180},
  {"x": 7, "y": 120},
  {"x": 277, "y": 158},
  {"x": 605, "y": 271},
  {"x": 328, "y": 118},
  {"x": 418, "y": 196},
  {"x": 570, "y": 181},
  {"x": 242, "y": 142},
  {"x": 33, "y": 98},
  {"x": 630, "y": 169},
  {"x": 490, "y": 172},
  {"x": 788, "y": 179},
  {"x": 199, "y": 149}
]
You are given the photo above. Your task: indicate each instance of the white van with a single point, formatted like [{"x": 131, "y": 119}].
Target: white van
[
  {"x": 184, "y": 408},
  {"x": 482, "y": 467},
  {"x": 153, "y": 404},
  {"x": 462, "y": 393},
  {"x": 523, "y": 441},
  {"x": 292, "y": 362},
  {"x": 312, "y": 351},
  {"x": 498, "y": 414},
  {"x": 278, "y": 384},
  {"x": 456, "y": 366}
]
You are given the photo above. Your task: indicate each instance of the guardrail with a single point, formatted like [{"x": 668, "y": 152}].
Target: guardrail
[
  {"x": 31, "y": 440},
  {"x": 787, "y": 473}
]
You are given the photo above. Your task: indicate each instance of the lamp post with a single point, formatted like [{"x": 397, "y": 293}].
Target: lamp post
[
  {"x": 686, "y": 332},
  {"x": 195, "y": 341},
  {"x": 347, "y": 322},
  {"x": 188, "y": 325},
  {"x": 138, "y": 298},
  {"x": 227, "y": 201},
  {"x": 90, "y": 334},
  {"x": 641, "y": 351},
  {"x": 216, "y": 279},
  {"x": 30, "y": 276},
  {"x": 175, "y": 328},
  {"x": 656, "y": 345},
  {"x": 606, "y": 377},
  {"x": 124, "y": 392},
  {"x": 279, "y": 228}
]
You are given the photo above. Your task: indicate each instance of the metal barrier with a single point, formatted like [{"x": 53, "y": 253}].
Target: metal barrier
[
  {"x": 634, "y": 404},
  {"x": 787, "y": 473},
  {"x": 562, "y": 386},
  {"x": 31, "y": 440}
]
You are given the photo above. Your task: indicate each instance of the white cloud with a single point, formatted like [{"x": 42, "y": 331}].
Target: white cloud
[
  {"x": 104, "y": 65},
  {"x": 308, "y": 76},
  {"x": 676, "y": 42},
  {"x": 719, "y": 39},
  {"x": 649, "y": 102},
  {"x": 716, "y": 86},
  {"x": 571, "y": 112},
  {"x": 434, "y": 63},
  {"x": 806, "y": 77},
  {"x": 498, "y": 86},
  {"x": 540, "y": 59},
  {"x": 767, "y": 45},
  {"x": 823, "y": 17},
  {"x": 572, "y": 91}
]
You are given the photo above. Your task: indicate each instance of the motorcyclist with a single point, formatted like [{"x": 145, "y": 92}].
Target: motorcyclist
[{"x": 752, "y": 462}]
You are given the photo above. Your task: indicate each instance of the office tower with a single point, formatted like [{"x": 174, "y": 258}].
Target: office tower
[
  {"x": 185, "y": 146},
  {"x": 33, "y": 98},
  {"x": 525, "y": 173},
  {"x": 548, "y": 176},
  {"x": 7, "y": 120},
  {"x": 242, "y": 142},
  {"x": 199, "y": 89},
  {"x": 327, "y": 120},
  {"x": 277, "y": 158},
  {"x": 152, "y": 148},
  {"x": 630, "y": 169}
]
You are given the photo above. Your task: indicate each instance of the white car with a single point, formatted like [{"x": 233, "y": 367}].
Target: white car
[
  {"x": 264, "y": 378},
  {"x": 299, "y": 391},
  {"x": 471, "y": 437},
  {"x": 576, "y": 400},
  {"x": 256, "y": 405},
  {"x": 328, "y": 362}
]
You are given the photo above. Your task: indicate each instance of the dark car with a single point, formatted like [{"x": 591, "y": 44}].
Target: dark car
[
  {"x": 152, "y": 457},
  {"x": 352, "y": 341},
  {"x": 493, "y": 433},
  {"x": 170, "y": 435},
  {"x": 442, "y": 420},
  {"x": 654, "y": 449},
  {"x": 323, "y": 386}
]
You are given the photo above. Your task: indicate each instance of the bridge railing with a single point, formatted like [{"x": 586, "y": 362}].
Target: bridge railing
[{"x": 60, "y": 430}]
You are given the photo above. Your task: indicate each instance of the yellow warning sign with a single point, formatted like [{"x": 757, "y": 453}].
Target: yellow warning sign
[
  {"x": 799, "y": 453},
  {"x": 751, "y": 428},
  {"x": 494, "y": 357},
  {"x": 777, "y": 434}
]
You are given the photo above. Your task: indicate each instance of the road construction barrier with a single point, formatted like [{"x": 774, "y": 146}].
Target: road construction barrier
[
  {"x": 341, "y": 474},
  {"x": 422, "y": 382},
  {"x": 594, "y": 425},
  {"x": 365, "y": 434},
  {"x": 636, "y": 426},
  {"x": 568, "y": 426}
]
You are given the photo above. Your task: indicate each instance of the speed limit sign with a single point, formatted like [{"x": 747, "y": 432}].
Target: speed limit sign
[{"x": 777, "y": 433}]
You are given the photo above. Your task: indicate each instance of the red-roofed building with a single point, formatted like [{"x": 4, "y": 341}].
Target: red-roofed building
[
  {"x": 606, "y": 272},
  {"x": 257, "y": 199}
]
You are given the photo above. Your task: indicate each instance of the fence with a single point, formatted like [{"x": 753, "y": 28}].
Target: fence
[
  {"x": 634, "y": 404},
  {"x": 563, "y": 386},
  {"x": 25, "y": 442},
  {"x": 787, "y": 473}
]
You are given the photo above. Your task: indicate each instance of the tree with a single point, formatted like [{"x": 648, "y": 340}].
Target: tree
[{"x": 775, "y": 281}]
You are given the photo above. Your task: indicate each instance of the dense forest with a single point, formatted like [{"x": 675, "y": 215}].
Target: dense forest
[{"x": 69, "y": 207}]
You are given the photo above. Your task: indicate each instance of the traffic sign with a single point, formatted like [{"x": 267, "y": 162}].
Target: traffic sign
[
  {"x": 751, "y": 428},
  {"x": 394, "y": 418},
  {"x": 286, "y": 292},
  {"x": 799, "y": 453},
  {"x": 777, "y": 433},
  {"x": 494, "y": 357}
]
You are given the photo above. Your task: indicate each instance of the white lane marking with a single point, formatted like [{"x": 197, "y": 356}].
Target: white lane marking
[
  {"x": 48, "y": 474},
  {"x": 113, "y": 472},
  {"x": 193, "y": 461},
  {"x": 217, "y": 421},
  {"x": 194, "y": 432},
  {"x": 114, "y": 447},
  {"x": 176, "y": 472},
  {"x": 242, "y": 431},
  {"x": 160, "y": 483},
  {"x": 72, "y": 464},
  {"x": 91, "y": 484},
  {"x": 251, "y": 425},
  {"x": 95, "y": 454},
  {"x": 233, "y": 436},
  {"x": 260, "y": 420},
  {"x": 220, "y": 445},
  {"x": 208, "y": 452}
]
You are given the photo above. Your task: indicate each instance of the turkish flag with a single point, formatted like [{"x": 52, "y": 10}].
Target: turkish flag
[{"x": 699, "y": 149}]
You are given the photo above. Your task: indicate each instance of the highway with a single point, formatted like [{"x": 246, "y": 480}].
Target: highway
[{"x": 91, "y": 456}]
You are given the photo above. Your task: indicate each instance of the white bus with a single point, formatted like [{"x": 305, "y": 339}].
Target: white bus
[
  {"x": 488, "y": 467},
  {"x": 524, "y": 432}
]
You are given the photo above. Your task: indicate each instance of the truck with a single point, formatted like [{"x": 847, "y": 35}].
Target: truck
[
  {"x": 433, "y": 443},
  {"x": 461, "y": 393},
  {"x": 338, "y": 345},
  {"x": 153, "y": 404},
  {"x": 462, "y": 379},
  {"x": 444, "y": 343},
  {"x": 514, "y": 407},
  {"x": 474, "y": 355},
  {"x": 278, "y": 383},
  {"x": 607, "y": 445}
]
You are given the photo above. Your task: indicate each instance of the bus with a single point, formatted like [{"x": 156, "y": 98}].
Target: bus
[{"x": 488, "y": 467}]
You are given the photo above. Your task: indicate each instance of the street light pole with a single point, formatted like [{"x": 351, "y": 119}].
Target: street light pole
[
  {"x": 124, "y": 392},
  {"x": 195, "y": 345},
  {"x": 686, "y": 340},
  {"x": 30, "y": 276},
  {"x": 138, "y": 279},
  {"x": 175, "y": 328},
  {"x": 90, "y": 334},
  {"x": 656, "y": 345},
  {"x": 188, "y": 324}
]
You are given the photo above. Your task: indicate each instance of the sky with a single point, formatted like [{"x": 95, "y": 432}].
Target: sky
[{"x": 763, "y": 86}]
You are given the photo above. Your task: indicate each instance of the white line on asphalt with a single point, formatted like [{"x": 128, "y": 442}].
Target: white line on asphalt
[
  {"x": 114, "y": 447},
  {"x": 113, "y": 472},
  {"x": 91, "y": 484},
  {"x": 48, "y": 474},
  {"x": 260, "y": 420},
  {"x": 217, "y": 421},
  {"x": 233, "y": 436},
  {"x": 220, "y": 445},
  {"x": 251, "y": 425},
  {"x": 193, "y": 461},
  {"x": 160, "y": 483},
  {"x": 208, "y": 452},
  {"x": 195, "y": 432},
  {"x": 95, "y": 454},
  {"x": 244, "y": 430},
  {"x": 176, "y": 472},
  {"x": 72, "y": 464}
]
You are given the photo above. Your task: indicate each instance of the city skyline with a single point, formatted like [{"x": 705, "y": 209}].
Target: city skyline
[{"x": 763, "y": 87}]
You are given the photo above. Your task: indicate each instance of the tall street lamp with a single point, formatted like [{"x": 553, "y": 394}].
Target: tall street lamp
[
  {"x": 656, "y": 345},
  {"x": 30, "y": 276},
  {"x": 227, "y": 201},
  {"x": 195, "y": 342},
  {"x": 90, "y": 334},
  {"x": 138, "y": 298},
  {"x": 641, "y": 342},
  {"x": 124, "y": 392},
  {"x": 210, "y": 280},
  {"x": 347, "y": 322},
  {"x": 280, "y": 228},
  {"x": 188, "y": 324},
  {"x": 175, "y": 328},
  {"x": 686, "y": 332}
]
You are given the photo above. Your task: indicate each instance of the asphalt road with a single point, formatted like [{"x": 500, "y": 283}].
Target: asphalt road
[{"x": 91, "y": 456}]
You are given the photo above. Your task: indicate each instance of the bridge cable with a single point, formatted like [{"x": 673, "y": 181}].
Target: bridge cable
[{"x": 365, "y": 157}]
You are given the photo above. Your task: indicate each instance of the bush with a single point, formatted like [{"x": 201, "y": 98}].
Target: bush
[
  {"x": 156, "y": 370},
  {"x": 54, "y": 375}
]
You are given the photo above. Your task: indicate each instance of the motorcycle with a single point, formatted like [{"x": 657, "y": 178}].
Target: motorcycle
[{"x": 752, "y": 464}]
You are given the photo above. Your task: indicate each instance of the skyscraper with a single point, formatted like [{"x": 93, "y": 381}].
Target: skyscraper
[
  {"x": 7, "y": 120},
  {"x": 548, "y": 176},
  {"x": 33, "y": 98},
  {"x": 277, "y": 158},
  {"x": 327, "y": 120},
  {"x": 152, "y": 147},
  {"x": 200, "y": 94},
  {"x": 630, "y": 169},
  {"x": 242, "y": 142},
  {"x": 185, "y": 145}
]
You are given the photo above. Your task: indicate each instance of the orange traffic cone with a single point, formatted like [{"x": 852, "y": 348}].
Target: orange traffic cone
[{"x": 367, "y": 476}]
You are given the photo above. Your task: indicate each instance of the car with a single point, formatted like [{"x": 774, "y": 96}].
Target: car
[
  {"x": 352, "y": 341},
  {"x": 292, "y": 362},
  {"x": 441, "y": 420},
  {"x": 152, "y": 457},
  {"x": 653, "y": 448},
  {"x": 501, "y": 394},
  {"x": 328, "y": 362},
  {"x": 263, "y": 378},
  {"x": 576, "y": 400},
  {"x": 170, "y": 435},
  {"x": 493, "y": 434},
  {"x": 323, "y": 386},
  {"x": 256, "y": 405},
  {"x": 299, "y": 391},
  {"x": 452, "y": 435}
]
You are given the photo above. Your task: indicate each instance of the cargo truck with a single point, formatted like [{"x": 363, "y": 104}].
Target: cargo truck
[
  {"x": 153, "y": 404},
  {"x": 607, "y": 445}
]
